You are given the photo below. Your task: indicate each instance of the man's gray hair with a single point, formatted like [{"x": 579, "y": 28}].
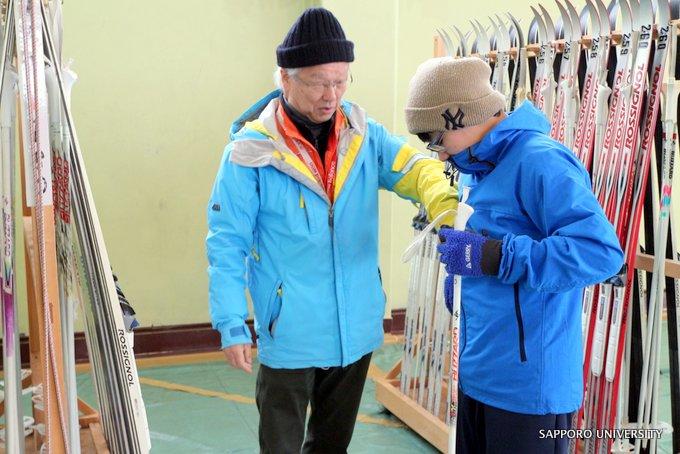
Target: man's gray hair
[{"x": 277, "y": 75}]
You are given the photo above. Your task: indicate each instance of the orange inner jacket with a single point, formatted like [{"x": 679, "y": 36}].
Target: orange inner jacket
[{"x": 324, "y": 172}]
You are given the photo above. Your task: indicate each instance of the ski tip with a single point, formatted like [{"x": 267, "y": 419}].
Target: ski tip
[
  {"x": 603, "y": 15},
  {"x": 663, "y": 12},
  {"x": 646, "y": 12},
  {"x": 596, "y": 29},
  {"x": 462, "y": 41},
  {"x": 542, "y": 33},
  {"x": 564, "y": 24},
  {"x": 484, "y": 44},
  {"x": 494, "y": 38},
  {"x": 575, "y": 20},
  {"x": 532, "y": 34},
  {"x": 549, "y": 24},
  {"x": 447, "y": 47},
  {"x": 518, "y": 30},
  {"x": 613, "y": 9},
  {"x": 626, "y": 16},
  {"x": 504, "y": 34}
]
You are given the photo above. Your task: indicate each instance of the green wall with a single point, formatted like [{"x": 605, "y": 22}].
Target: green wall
[{"x": 159, "y": 83}]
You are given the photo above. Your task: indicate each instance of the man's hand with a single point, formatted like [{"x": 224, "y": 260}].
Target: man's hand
[{"x": 239, "y": 357}]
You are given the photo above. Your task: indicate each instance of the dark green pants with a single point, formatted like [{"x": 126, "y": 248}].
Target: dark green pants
[{"x": 333, "y": 394}]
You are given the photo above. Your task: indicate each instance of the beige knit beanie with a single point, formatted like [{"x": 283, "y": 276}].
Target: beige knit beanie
[{"x": 451, "y": 93}]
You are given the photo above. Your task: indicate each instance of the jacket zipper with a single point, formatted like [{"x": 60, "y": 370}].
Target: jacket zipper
[
  {"x": 331, "y": 226},
  {"x": 278, "y": 295},
  {"x": 520, "y": 325},
  {"x": 303, "y": 205}
]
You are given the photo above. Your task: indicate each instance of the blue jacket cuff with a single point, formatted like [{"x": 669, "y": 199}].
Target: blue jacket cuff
[{"x": 234, "y": 334}]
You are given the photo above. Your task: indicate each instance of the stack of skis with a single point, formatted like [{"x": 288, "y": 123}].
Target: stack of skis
[
  {"x": 67, "y": 261},
  {"x": 427, "y": 323},
  {"x": 607, "y": 79}
]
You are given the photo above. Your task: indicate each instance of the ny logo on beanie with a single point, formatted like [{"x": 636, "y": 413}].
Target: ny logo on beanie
[{"x": 453, "y": 122}]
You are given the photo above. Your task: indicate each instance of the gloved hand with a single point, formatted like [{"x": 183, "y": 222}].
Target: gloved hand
[{"x": 468, "y": 253}]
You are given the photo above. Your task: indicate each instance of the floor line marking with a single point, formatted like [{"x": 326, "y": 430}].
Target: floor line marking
[
  {"x": 366, "y": 419},
  {"x": 193, "y": 390}
]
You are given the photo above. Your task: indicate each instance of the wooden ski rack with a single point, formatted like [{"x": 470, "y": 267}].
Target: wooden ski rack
[
  {"x": 533, "y": 49},
  {"x": 92, "y": 438},
  {"x": 424, "y": 423}
]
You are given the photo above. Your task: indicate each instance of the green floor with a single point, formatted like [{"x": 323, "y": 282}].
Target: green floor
[{"x": 182, "y": 421}]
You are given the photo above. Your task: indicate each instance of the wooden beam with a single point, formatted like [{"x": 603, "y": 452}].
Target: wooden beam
[
  {"x": 85, "y": 421},
  {"x": 646, "y": 262},
  {"x": 89, "y": 415},
  {"x": 394, "y": 372},
  {"x": 38, "y": 322},
  {"x": 98, "y": 438},
  {"x": 428, "y": 426}
]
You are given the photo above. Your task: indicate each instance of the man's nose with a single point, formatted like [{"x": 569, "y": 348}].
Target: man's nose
[{"x": 329, "y": 93}]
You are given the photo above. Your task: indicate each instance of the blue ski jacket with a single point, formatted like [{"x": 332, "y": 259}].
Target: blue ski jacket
[
  {"x": 521, "y": 346},
  {"x": 311, "y": 267}
]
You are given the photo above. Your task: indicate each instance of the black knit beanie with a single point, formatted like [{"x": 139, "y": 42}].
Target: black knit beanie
[{"x": 315, "y": 38}]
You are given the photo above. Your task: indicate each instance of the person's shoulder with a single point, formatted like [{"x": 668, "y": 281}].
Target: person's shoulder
[
  {"x": 540, "y": 154},
  {"x": 357, "y": 116}
]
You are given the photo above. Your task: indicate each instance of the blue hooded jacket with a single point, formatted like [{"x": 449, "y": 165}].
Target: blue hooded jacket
[{"x": 521, "y": 346}]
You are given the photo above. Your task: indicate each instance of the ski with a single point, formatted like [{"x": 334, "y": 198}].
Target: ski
[
  {"x": 14, "y": 420},
  {"x": 563, "y": 118},
  {"x": 464, "y": 213},
  {"x": 112, "y": 339}
]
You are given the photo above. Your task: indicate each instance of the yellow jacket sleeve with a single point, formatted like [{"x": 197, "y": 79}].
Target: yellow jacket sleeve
[{"x": 414, "y": 176}]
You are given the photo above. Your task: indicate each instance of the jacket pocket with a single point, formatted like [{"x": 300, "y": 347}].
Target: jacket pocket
[
  {"x": 520, "y": 325},
  {"x": 309, "y": 217},
  {"x": 274, "y": 309}
]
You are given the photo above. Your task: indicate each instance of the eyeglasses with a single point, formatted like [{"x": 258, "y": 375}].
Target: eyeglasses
[
  {"x": 319, "y": 87},
  {"x": 435, "y": 144}
]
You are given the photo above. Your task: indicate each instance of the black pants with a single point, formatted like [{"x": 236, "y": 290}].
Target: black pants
[
  {"x": 334, "y": 395},
  {"x": 483, "y": 429}
]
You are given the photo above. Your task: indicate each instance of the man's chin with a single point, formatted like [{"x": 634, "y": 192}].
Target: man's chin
[{"x": 323, "y": 116}]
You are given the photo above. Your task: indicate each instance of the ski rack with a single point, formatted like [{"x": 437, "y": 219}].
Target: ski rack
[
  {"x": 407, "y": 390},
  {"x": 66, "y": 259},
  {"x": 390, "y": 390},
  {"x": 47, "y": 423},
  {"x": 532, "y": 50},
  {"x": 432, "y": 428}
]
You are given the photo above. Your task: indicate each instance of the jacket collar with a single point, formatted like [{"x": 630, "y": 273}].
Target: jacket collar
[
  {"x": 256, "y": 142},
  {"x": 265, "y": 109},
  {"x": 481, "y": 158}
]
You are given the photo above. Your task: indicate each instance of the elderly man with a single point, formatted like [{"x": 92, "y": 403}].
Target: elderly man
[{"x": 293, "y": 217}]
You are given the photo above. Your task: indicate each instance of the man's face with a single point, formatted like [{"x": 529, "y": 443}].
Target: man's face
[{"x": 316, "y": 91}]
